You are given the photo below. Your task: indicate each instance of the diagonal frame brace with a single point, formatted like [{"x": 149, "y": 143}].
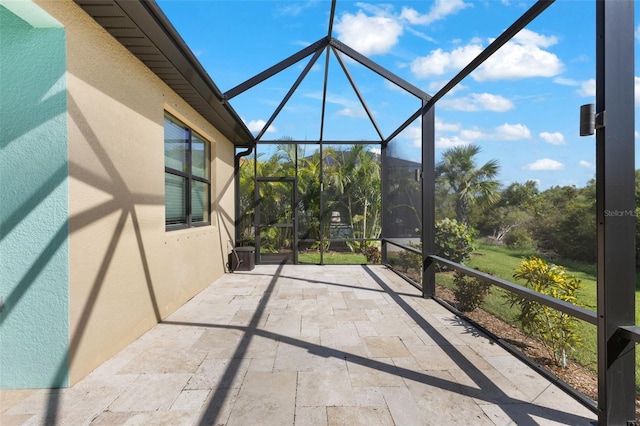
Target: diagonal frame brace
[
  {"x": 357, "y": 91},
  {"x": 275, "y": 69},
  {"x": 293, "y": 88},
  {"x": 363, "y": 60}
]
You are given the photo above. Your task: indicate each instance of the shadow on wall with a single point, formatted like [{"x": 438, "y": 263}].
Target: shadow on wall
[{"x": 34, "y": 225}]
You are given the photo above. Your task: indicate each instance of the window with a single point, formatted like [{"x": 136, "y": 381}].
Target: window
[{"x": 187, "y": 181}]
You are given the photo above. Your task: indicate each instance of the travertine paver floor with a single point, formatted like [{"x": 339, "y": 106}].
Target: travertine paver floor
[{"x": 305, "y": 345}]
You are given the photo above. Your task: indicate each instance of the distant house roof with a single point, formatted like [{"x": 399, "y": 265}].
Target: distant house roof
[{"x": 145, "y": 30}]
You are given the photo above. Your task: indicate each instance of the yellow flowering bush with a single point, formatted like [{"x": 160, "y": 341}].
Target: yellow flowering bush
[{"x": 557, "y": 330}]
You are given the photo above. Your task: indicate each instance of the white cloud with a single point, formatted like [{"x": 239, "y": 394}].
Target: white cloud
[
  {"x": 473, "y": 134},
  {"x": 531, "y": 38},
  {"x": 258, "y": 125},
  {"x": 566, "y": 81},
  {"x": 295, "y": 9},
  {"x": 442, "y": 126},
  {"x": 505, "y": 132},
  {"x": 588, "y": 88},
  {"x": 349, "y": 108},
  {"x": 555, "y": 138},
  {"x": 544, "y": 164},
  {"x": 420, "y": 34},
  {"x": 436, "y": 85},
  {"x": 352, "y": 112},
  {"x": 637, "y": 33},
  {"x": 439, "y": 10},
  {"x": 369, "y": 35},
  {"x": 439, "y": 62},
  {"x": 512, "y": 132},
  {"x": 477, "y": 102},
  {"x": 586, "y": 164},
  {"x": 522, "y": 57},
  {"x": 445, "y": 143},
  {"x": 636, "y": 86},
  {"x": 413, "y": 134}
]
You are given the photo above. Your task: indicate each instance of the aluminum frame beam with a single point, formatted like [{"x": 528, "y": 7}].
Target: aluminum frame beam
[
  {"x": 357, "y": 91},
  {"x": 535, "y": 10},
  {"x": 531, "y": 14},
  {"x": 383, "y": 72},
  {"x": 615, "y": 192},
  {"x": 293, "y": 88},
  {"x": 275, "y": 69},
  {"x": 428, "y": 200}
]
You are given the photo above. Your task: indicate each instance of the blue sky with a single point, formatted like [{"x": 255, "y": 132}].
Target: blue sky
[{"x": 521, "y": 107}]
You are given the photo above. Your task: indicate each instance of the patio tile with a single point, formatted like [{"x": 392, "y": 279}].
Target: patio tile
[
  {"x": 311, "y": 416},
  {"x": 369, "y": 397},
  {"x": 326, "y": 346},
  {"x": 174, "y": 418},
  {"x": 344, "y": 333},
  {"x": 258, "y": 400},
  {"x": 10, "y": 398},
  {"x": 219, "y": 374},
  {"x": 564, "y": 410},
  {"x": 365, "y": 372},
  {"x": 15, "y": 420},
  {"x": 165, "y": 360},
  {"x": 488, "y": 386},
  {"x": 324, "y": 389},
  {"x": 308, "y": 358},
  {"x": 151, "y": 392},
  {"x": 441, "y": 401},
  {"x": 190, "y": 400},
  {"x": 364, "y": 416},
  {"x": 402, "y": 406},
  {"x": 385, "y": 346}
]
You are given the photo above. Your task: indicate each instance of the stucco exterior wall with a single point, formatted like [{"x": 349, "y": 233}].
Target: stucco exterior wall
[
  {"x": 34, "y": 249},
  {"x": 126, "y": 272}
]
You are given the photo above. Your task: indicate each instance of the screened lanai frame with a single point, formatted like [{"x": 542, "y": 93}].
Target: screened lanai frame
[{"x": 615, "y": 183}]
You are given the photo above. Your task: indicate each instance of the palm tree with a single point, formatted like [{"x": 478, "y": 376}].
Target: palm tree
[
  {"x": 354, "y": 174},
  {"x": 458, "y": 174}
]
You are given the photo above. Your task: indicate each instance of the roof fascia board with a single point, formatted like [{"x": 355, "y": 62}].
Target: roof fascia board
[{"x": 156, "y": 26}]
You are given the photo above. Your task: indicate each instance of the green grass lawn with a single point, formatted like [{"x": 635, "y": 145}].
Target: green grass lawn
[
  {"x": 502, "y": 263},
  {"x": 332, "y": 258}
]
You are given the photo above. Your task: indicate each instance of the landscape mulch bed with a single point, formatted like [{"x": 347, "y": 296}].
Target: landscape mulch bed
[{"x": 576, "y": 375}]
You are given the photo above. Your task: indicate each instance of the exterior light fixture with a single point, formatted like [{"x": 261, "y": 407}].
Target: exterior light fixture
[{"x": 589, "y": 120}]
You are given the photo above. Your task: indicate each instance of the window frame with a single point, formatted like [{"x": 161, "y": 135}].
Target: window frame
[{"x": 189, "y": 176}]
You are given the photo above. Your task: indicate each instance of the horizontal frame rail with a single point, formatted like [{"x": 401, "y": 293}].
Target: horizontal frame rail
[
  {"x": 630, "y": 332},
  {"x": 560, "y": 305},
  {"x": 576, "y": 311}
]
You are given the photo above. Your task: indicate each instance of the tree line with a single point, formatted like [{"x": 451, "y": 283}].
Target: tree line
[{"x": 558, "y": 222}]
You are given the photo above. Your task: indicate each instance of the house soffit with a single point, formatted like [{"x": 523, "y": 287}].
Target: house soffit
[{"x": 146, "y": 32}]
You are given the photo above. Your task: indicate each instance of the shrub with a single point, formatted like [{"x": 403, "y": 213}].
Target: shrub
[
  {"x": 519, "y": 238},
  {"x": 453, "y": 240},
  {"x": 556, "y": 330},
  {"x": 372, "y": 253},
  {"x": 469, "y": 291},
  {"x": 410, "y": 261}
]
